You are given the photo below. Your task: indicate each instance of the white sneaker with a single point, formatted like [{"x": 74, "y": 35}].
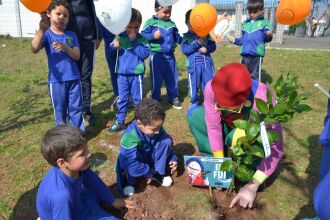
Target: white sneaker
[
  {"x": 167, "y": 181},
  {"x": 129, "y": 191}
]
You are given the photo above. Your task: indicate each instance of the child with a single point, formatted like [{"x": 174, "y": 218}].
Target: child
[
  {"x": 70, "y": 190},
  {"x": 256, "y": 31},
  {"x": 132, "y": 49},
  {"x": 62, "y": 51},
  {"x": 163, "y": 36},
  {"x": 199, "y": 61},
  {"x": 146, "y": 150},
  {"x": 108, "y": 37}
]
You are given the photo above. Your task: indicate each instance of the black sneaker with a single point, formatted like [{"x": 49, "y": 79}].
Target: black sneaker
[
  {"x": 90, "y": 119},
  {"x": 176, "y": 103},
  {"x": 116, "y": 127}
]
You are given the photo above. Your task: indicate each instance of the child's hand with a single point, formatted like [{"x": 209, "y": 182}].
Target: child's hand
[
  {"x": 203, "y": 50},
  {"x": 44, "y": 22},
  {"x": 157, "y": 34},
  {"x": 132, "y": 36},
  {"x": 173, "y": 166},
  {"x": 269, "y": 33},
  {"x": 123, "y": 203},
  {"x": 116, "y": 43},
  {"x": 59, "y": 46},
  {"x": 231, "y": 39}
]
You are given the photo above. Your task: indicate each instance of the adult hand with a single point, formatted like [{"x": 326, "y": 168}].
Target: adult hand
[
  {"x": 246, "y": 195},
  {"x": 173, "y": 166},
  {"x": 116, "y": 43},
  {"x": 157, "y": 34},
  {"x": 231, "y": 39},
  {"x": 123, "y": 203}
]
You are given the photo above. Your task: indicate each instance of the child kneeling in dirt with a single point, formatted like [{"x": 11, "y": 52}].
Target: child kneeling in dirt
[
  {"x": 70, "y": 190},
  {"x": 146, "y": 150}
]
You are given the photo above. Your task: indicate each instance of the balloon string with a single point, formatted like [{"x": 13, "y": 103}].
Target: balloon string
[
  {"x": 116, "y": 60},
  {"x": 322, "y": 90}
]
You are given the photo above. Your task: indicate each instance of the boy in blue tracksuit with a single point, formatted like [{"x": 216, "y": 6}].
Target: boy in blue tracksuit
[
  {"x": 108, "y": 38},
  {"x": 163, "y": 36},
  {"x": 62, "y": 49},
  {"x": 132, "y": 49},
  {"x": 256, "y": 31},
  {"x": 70, "y": 190},
  {"x": 146, "y": 150},
  {"x": 199, "y": 62}
]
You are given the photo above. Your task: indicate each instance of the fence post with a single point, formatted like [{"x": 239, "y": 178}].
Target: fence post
[
  {"x": 18, "y": 19},
  {"x": 279, "y": 33},
  {"x": 239, "y": 4}
]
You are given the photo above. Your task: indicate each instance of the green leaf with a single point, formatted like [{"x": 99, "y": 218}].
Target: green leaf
[
  {"x": 302, "y": 96},
  {"x": 281, "y": 108},
  {"x": 257, "y": 151},
  {"x": 227, "y": 166},
  {"x": 248, "y": 160},
  {"x": 244, "y": 173},
  {"x": 270, "y": 138},
  {"x": 242, "y": 124},
  {"x": 274, "y": 134},
  {"x": 283, "y": 118},
  {"x": 262, "y": 106},
  {"x": 292, "y": 97},
  {"x": 302, "y": 108},
  {"x": 255, "y": 116},
  {"x": 269, "y": 97},
  {"x": 269, "y": 121},
  {"x": 238, "y": 151},
  {"x": 252, "y": 131}
]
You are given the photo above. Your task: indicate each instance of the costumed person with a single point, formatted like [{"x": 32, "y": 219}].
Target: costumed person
[
  {"x": 132, "y": 49},
  {"x": 229, "y": 96},
  {"x": 199, "y": 61},
  {"x": 62, "y": 49},
  {"x": 322, "y": 191},
  {"x": 256, "y": 31},
  {"x": 163, "y": 35},
  {"x": 70, "y": 189},
  {"x": 146, "y": 150}
]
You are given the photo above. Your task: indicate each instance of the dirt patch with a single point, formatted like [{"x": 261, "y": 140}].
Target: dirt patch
[{"x": 168, "y": 203}]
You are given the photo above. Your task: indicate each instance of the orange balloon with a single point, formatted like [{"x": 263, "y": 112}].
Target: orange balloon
[
  {"x": 292, "y": 11},
  {"x": 203, "y": 18},
  {"x": 36, "y": 5}
]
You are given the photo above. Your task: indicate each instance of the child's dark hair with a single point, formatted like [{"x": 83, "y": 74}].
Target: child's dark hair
[
  {"x": 60, "y": 142},
  {"x": 64, "y": 3},
  {"x": 254, "y": 5},
  {"x": 136, "y": 16},
  {"x": 149, "y": 110},
  {"x": 188, "y": 16}
]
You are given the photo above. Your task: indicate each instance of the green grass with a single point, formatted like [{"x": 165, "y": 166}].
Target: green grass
[{"x": 26, "y": 114}]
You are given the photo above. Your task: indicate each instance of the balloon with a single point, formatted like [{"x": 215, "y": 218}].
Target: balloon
[
  {"x": 36, "y": 5},
  {"x": 114, "y": 15},
  {"x": 292, "y": 11},
  {"x": 203, "y": 18},
  {"x": 165, "y": 3}
]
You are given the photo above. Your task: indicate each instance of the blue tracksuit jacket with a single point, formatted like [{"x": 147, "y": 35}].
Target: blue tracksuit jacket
[{"x": 141, "y": 155}]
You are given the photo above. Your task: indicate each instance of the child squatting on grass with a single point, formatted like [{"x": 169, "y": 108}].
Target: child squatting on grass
[
  {"x": 146, "y": 150},
  {"x": 70, "y": 190},
  {"x": 62, "y": 49}
]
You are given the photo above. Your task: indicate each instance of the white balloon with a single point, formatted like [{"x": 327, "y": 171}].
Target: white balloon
[
  {"x": 114, "y": 15},
  {"x": 167, "y": 2}
]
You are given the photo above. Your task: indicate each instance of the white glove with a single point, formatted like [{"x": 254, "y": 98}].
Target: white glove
[{"x": 246, "y": 195}]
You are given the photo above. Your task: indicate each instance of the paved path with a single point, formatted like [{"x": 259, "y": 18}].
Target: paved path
[{"x": 304, "y": 43}]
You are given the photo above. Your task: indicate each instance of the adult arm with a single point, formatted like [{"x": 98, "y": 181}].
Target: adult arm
[{"x": 213, "y": 122}]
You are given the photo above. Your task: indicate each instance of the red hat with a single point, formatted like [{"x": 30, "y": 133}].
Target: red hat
[{"x": 232, "y": 85}]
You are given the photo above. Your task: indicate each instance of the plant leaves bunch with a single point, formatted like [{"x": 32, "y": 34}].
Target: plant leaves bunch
[{"x": 248, "y": 151}]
